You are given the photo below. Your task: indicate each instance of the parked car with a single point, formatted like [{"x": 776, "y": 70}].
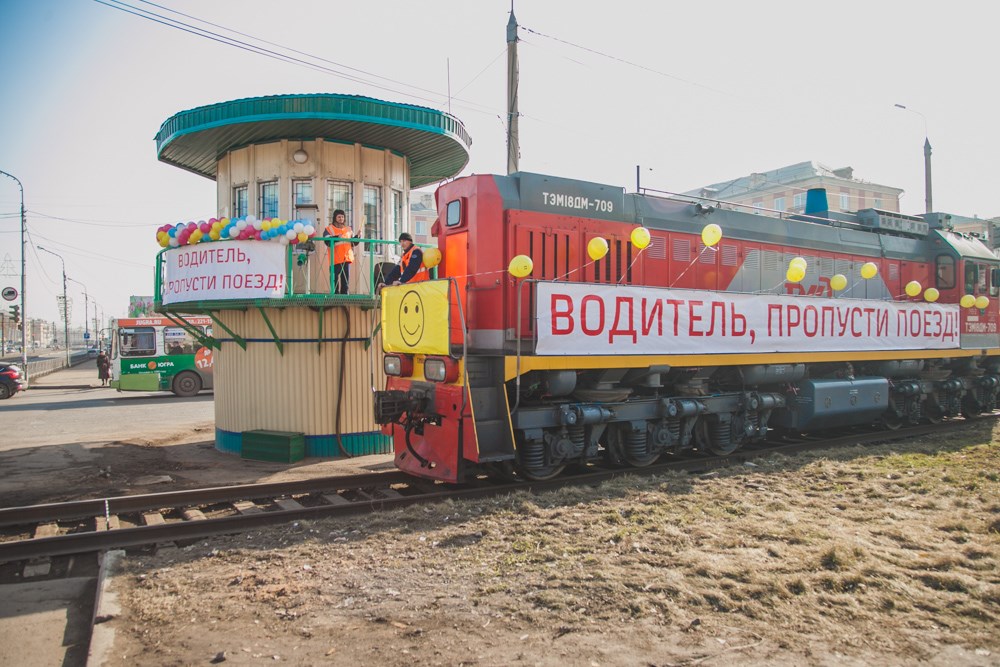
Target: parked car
[
  {"x": 11, "y": 380},
  {"x": 92, "y": 353}
]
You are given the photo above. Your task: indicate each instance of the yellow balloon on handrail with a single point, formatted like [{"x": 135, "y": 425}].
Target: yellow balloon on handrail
[
  {"x": 432, "y": 257},
  {"x": 913, "y": 288},
  {"x": 967, "y": 301},
  {"x": 711, "y": 234},
  {"x": 838, "y": 282},
  {"x": 982, "y": 302},
  {"x": 795, "y": 274},
  {"x": 520, "y": 266},
  {"x": 597, "y": 248},
  {"x": 931, "y": 294},
  {"x": 869, "y": 270},
  {"x": 640, "y": 237}
]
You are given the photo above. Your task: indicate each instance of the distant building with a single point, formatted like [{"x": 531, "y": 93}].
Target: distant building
[
  {"x": 784, "y": 189},
  {"x": 423, "y": 213}
]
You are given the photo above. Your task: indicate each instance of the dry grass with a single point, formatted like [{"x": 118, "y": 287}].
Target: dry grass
[{"x": 883, "y": 554}]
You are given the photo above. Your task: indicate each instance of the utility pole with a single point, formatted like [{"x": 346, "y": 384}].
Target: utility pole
[
  {"x": 24, "y": 282},
  {"x": 65, "y": 304},
  {"x": 86, "y": 299},
  {"x": 513, "y": 138}
]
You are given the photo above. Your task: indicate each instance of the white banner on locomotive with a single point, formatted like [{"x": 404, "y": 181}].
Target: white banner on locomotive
[{"x": 577, "y": 318}]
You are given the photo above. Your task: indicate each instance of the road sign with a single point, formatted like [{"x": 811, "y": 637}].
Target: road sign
[
  {"x": 86, "y": 335},
  {"x": 9, "y": 293}
]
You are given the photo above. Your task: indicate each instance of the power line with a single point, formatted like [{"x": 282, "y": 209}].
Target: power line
[
  {"x": 245, "y": 46},
  {"x": 288, "y": 48},
  {"x": 73, "y": 250},
  {"x": 627, "y": 62},
  {"x": 99, "y": 222}
]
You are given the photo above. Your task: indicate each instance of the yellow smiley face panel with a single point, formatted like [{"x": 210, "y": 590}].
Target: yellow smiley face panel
[{"x": 415, "y": 318}]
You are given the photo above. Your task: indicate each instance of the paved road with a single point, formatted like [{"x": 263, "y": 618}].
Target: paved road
[
  {"x": 70, "y": 407},
  {"x": 40, "y": 354}
]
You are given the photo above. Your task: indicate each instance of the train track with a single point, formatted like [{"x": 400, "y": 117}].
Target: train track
[{"x": 40, "y": 531}]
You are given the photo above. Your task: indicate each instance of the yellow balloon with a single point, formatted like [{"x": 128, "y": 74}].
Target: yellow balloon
[
  {"x": 931, "y": 295},
  {"x": 214, "y": 234},
  {"x": 640, "y": 237},
  {"x": 711, "y": 234},
  {"x": 967, "y": 301},
  {"x": 265, "y": 225},
  {"x": 869, "y": 270},
  {"x": 795, "y": 274},
  {"x": 597, "y": 248},
  {"x": 799, "y": 261},
  {"x": 913, "y": 288},
  {"x": 520, "y": 266},
  {"x": 838, "y": 282},
  {"x": 982, "y": 302},
  {"x": 302, "y": 237},
  {"x": 165, "y": 241},
  {"x": 432, "y": 257}
]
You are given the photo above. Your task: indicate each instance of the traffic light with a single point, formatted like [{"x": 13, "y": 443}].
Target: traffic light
[{"x": 15, "y": 314}]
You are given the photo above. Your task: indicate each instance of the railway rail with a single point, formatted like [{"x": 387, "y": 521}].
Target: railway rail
[{"x": 40, "y": 531}]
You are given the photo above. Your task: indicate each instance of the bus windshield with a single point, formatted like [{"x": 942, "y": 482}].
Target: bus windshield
[{"x": 137, "y": 341}]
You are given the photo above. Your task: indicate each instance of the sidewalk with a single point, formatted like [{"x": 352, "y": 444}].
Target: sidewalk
[{"x": 81, "y": 376}]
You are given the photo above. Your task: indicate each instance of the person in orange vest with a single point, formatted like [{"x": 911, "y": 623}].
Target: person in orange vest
[
  {"x": 341, "y": 254},
  {"x": 411, "y": 267}
]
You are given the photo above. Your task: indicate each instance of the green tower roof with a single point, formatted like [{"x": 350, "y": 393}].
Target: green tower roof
[{"x": 435, "y": 142}]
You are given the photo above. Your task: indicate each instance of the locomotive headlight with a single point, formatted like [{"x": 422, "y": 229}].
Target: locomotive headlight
[
  {"x": 397, "y": 365},
  {"x": 440, "y": 369}
]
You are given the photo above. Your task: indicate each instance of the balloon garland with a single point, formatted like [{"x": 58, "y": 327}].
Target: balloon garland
[{"x": 244, "y": 228}]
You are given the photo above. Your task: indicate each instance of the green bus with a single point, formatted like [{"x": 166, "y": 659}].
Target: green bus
[{"x": 161, "y": 354}]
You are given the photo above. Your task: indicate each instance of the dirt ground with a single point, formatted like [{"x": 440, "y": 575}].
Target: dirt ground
[{"x": 881, "y": 555}]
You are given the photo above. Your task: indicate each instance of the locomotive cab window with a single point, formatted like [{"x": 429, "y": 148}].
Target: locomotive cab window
[
  {"x": 994, "y": 282},
  {"x": 454, "y": 213},
  {"x": 944, "y": 274}
]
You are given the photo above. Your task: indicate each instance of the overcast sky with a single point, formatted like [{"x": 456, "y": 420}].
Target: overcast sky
[{"x": 715, "y": 90}]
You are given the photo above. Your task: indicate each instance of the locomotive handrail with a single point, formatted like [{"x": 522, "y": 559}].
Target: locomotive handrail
[
  {"x": 517, "y": 343},
  {"x": 366, "y": 297}
]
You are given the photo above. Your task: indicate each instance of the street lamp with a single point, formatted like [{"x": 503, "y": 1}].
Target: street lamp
[
  {"x": 927, "y": 158},
  {"x": 24, "y": 283},
  {"x": 65, "y": 304},
  {"x": 86, "y": 325}
]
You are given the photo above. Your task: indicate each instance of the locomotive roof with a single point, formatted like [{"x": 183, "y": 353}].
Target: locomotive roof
[{"x": 549, "y": 194}]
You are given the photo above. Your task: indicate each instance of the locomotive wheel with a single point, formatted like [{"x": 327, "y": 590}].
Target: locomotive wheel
[
  {"x": 934, "y": 417},
  {"x": 891, "y": 421},
  {"x": 540, "y": 474},
  {"x": 970, "y": 409},
  {"x": 708, "y": 444},
  {"x": 619, "y": 452}
]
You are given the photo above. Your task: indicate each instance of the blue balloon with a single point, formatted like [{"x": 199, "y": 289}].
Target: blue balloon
[{"x": 172, "y": 232}]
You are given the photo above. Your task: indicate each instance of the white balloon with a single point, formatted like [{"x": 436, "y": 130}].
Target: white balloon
[
  {"x": 241, "y": 225},
  {"x": 174, "y": 242},
  {"x": 250, "y": 219},
  {"x": 283, "y": 240},
  {"x": 309, "y": 230},
  {"x": 233, "y": 232},
  {"x": 290, "y": 234},
  {"x": 258, "y": 224}
]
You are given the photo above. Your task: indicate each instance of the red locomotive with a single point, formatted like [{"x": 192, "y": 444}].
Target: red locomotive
[{"x": 682, "y": 340}]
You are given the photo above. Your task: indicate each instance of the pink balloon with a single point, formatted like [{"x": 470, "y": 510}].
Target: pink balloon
[{"x": 205, "y": 228}]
